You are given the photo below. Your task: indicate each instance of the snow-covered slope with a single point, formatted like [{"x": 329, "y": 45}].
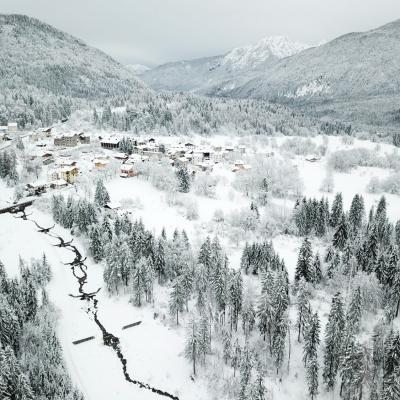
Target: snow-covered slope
[
  {"x": 58, "y": 63},
  {"x": 232, "y": 69}
]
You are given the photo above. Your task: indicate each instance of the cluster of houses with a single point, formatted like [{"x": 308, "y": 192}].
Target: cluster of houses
[
  {"x": 195, "y": 158},
  {"x": 62, "y": 170},
  {"x": 6, "y": 130}
]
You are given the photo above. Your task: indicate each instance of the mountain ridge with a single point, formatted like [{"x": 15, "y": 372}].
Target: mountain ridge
[{"x": 353, "y": 78}]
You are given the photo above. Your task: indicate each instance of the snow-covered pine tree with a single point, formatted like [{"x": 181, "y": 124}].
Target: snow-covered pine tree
[
  {"x": 235, "y": 296},
  {"x": 337, "y": 210},
  {"x": 101, "y": 196},
  {"x": 356, "y": 213},
  {"x": 236, "y": 356},
  {"x": 311, "y": 339},
  {"x": 354, "y": 313},
  {"x": 177, "y": 298},
  {"x": 226, "y": 345},
  {"x": 248, "y": 315},
  {"x": 106, "y": 229},
  {"x": 391, "y": 366},
  {"x": 333, "y": 341},
  {"x": 201, "y": 285},
  {"x": 321, "y": 220},
  {"x": 355, "y": 371},
  {"x": 397, "y": 233},
  {"x": 303, "y": 308},
  {"x": 312, "y": 369},
  {"x": 187, "y": 280},
  {"x": 204, "y": 335},
  {"x": 245, "y": 367},
  {"x": 316, "y": 270},
  {"x": 183, "y": 177},
  {"x": 341, "y": 234},
  {"x": 205, "y": 254},
  {"x": 280, "y": 319},
  {"x": 159, "y": 261},
  {"x": 139, "y": 280},
  {"x": 96, "y": 245},
  {"x": 192, "y": 346},
  {"x": 395, "y": 292},
  {"x": 304, "y": 262}
]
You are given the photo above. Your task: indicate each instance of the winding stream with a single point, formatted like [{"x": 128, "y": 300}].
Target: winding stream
[{"x": 79, "y": 270}]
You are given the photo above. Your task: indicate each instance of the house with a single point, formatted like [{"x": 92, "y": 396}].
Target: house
[
  {"x": 313, "y": 158},
  {"x": 239, "y": 165},
  {"x": 197, "y": 157},
  {"x": 128, "y": 171},
  {"x": 68, "y": 163},
  {"x": 152, "y": 154},
  {"x": 217, "y": 156},
  {"x": 189, "y": 146},
  {"x": 100, "y": 163},
  {"x": 46, "y": 131},
  {"x": 203, "y": 166},
  {"x": 84, "y": 138},
  {"x": 67, "y": 140},
  {"x": 68, "y": 174},
  {"x": 45, "y": 156},
  {"x": 58, "y": 184},
  {"x": 121, "y": 156},
  {"x": 114, "y": 205},
  {"x": 110, "y": 143},
  {"x": 242, "y": 149},
  {"x": 36, "y": 188},
  {"x": 135, "y": 158},
  {"x": 12, "y": 127}
]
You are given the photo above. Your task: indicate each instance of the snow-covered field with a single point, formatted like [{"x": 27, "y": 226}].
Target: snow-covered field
[{"x": 154, "y": 349}]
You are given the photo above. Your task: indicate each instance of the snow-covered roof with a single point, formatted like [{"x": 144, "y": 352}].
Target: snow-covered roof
[
  {"x": 59, "y": 182},
  {"x": 111, "y": 140},
  {"x": 37, "y": 184},
  {"x": 12, "y": 124},
  {"x": 67, "y": 169},
  {"x": 113, "y": 205},
  {"x": 135, "y": 158},
  {"x": 127, "y": 167},
  {"x": 120, "y": 155},
  {"x": 100, "y": 161}
]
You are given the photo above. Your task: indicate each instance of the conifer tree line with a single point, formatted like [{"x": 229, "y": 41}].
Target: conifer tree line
[
  {"x": 360, "y": 246},
  {"x": 31, "y": 360}
]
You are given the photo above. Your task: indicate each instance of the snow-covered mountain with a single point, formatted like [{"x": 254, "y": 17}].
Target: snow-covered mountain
[
  {"x": 353, "y": 78},
  {"x": 231, "y": 69},
  {"x": 267, "y": 48},
  {"x": 137, "y": 69},
  {"x": 45, "y": 73}
]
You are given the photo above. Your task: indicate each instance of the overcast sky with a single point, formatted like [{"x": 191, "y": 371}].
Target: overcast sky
[{"x": 156, "y": 31}]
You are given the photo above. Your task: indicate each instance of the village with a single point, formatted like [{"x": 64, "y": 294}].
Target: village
[{"x": 62, "y": 158}]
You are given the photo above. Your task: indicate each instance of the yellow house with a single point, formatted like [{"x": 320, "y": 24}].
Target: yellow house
[{"x": 69, "y": 174}]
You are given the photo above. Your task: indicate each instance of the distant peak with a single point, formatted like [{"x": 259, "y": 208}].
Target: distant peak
[{"x": 268, "y": 47}]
